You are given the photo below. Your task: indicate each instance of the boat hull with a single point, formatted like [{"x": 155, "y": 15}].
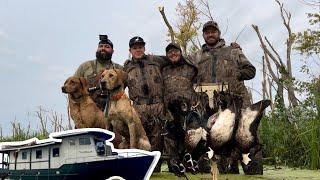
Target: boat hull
[{"x": 134, "y": 168}]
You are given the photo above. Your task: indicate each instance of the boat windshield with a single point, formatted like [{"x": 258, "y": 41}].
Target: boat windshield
[{"x": 100, "y": 147}]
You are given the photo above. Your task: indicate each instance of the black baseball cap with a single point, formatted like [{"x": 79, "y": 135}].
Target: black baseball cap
[
  {"x": 136, "y": 40},
  {"x": 105, "y": 40},
  {"x": 172, "y": 45}
]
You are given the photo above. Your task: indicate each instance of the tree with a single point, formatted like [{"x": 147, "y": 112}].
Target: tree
[
  {"x": 186, "y": 26},
  {"x": 282, "y": 73},
  {"x": 308, "y": 41}
]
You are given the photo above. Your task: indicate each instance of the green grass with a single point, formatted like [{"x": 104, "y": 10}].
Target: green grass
[{"x": 270, "y": 173}]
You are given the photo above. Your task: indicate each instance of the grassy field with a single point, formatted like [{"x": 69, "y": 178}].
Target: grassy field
[{"x": 270, "y": 173}]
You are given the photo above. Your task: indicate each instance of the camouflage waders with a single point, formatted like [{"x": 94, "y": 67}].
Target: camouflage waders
[{"x": 229, "y": 65}]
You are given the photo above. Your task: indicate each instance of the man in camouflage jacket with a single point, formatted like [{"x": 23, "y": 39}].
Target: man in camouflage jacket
[
  {"x": 92, "y": 69},
  {"x": 145, "y": 86},
  {"x": 178, "y": 78},
  {"x": 219, "y": 63}
]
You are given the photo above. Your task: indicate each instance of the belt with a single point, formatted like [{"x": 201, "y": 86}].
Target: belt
[{"x": 148, "y": 101}]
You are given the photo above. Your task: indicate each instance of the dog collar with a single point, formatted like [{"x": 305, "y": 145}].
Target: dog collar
[{"x": 117, "y": 96}]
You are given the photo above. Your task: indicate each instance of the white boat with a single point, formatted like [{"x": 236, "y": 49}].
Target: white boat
[{"x": 75, "y": 154}]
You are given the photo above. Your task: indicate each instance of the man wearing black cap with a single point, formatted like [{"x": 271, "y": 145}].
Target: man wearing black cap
[
  {"x": 93, "y": 68},
  {"x": 145, "y": 85},
  {"x": 178, "y": 78},
  {"x": 219, "y": 63}
]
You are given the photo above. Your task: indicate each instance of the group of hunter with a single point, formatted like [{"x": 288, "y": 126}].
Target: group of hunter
[{"x": 157, "y": 83}]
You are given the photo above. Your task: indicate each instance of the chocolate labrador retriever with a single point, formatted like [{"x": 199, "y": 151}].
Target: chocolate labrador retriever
[{"x": 83, "y": 109}]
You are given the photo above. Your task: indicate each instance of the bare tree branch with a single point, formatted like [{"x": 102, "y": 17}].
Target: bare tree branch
[
  {"x": 207, "y": 13},
  {"x": 264, "y": 81},
  {"x": 194, "y": 44},
  {"x": 277, "y": 54},
  {"x": 240, "y": 33},
  {"x": 270, "y": 93},
  {"x": 267, "y": 54},
  {"x": 286, "y": 18},
  {"x": 226, "y": 29},
  {"x": 171, "y": 32},
  {"x": 69, "y": 115},
  {"x": 40, "y": 114}
]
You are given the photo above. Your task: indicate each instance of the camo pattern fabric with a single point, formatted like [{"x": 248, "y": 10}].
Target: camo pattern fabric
[
  {"x": 178, "y": 81},
  {"x": 144, "y": 78},
  {"x": 92, "y": 70},
  {"x": 224, "y": 64}
]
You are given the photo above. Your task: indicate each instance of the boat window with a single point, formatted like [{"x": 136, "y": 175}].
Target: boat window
[
  {"x": 55, "y": 152},
  {"x": 100, "y": 148},
  {"x": 84, "y": 141},
  {"x": 72, "y": 142},
  {"x": 24, "y": 155},
  {"x": 38, "y": 154}
]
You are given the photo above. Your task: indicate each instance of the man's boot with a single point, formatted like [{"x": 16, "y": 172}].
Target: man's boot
[{"x": 227, "y": 165}]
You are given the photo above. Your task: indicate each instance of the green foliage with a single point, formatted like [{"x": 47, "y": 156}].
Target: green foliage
[
  {"x": 291, "y": 136},
  {"x": 308, "y": 41},
  {"x": 24, "y": 135}
]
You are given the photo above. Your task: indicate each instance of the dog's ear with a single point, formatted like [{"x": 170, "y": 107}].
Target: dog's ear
[
  {"x": 122, "y": 76},
  {"x": 84, "y": 84}
]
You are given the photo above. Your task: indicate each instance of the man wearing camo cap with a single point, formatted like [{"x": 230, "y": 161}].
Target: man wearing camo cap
[{"x": 217, "y": 63}]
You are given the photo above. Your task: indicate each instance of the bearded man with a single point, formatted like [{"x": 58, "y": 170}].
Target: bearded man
[{"x": 92, "y": 69}]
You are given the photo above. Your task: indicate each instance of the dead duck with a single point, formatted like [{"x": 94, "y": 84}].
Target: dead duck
[{"x": 246, "y": 134}]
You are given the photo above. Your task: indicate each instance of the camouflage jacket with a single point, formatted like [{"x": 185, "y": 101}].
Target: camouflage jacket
[
  {"x": 145, "y": 82},
  {"x": 91, "y": 70},
  {"x": 178, "y": 80},
  {"x": 224, "y": 64},
  {"x": 95, "y": 66}
]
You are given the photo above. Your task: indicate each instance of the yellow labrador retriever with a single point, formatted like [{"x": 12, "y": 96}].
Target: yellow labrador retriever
[
  {"x": 120, "y": 114},
  {"x": 83, "y": 109}
]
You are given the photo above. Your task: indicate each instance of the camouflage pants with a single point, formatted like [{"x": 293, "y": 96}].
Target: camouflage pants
[{"x": 153, "y": 117}]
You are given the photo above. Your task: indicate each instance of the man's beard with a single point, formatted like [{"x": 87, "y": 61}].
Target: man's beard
[
  {"x": 212, "y": 43},
  {"x": 106, "y": 56}
]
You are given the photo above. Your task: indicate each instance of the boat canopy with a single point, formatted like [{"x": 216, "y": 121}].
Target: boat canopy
[{"x": 102, "y": 134}]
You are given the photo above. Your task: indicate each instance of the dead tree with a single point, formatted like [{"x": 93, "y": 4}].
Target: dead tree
[
  {"x": 164, "y": 17},
  {"x": 41, "y": 115},
  {"x": 56, "y": 121},
  {"x": 264, "y": 80},
  {"x": 282, "y": 74},
  {"x": 68, "y": 114}
]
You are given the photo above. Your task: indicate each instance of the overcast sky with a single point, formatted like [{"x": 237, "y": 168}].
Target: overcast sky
[{"x": 43, "y": 42}]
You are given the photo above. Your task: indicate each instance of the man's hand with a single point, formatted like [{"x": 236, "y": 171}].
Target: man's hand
[{"x": 235, "y": 45}]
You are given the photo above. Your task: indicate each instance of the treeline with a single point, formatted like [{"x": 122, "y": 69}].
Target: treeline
[{"x": 45, "y": 121}]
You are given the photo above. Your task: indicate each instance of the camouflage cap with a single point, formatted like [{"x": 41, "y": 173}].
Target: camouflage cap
[
  {"x": 210, "y": 24},
  {"x": 136, "y": 40},
  {"x": 172, "y": 45},
  {"x": 105, "y": 40}
]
